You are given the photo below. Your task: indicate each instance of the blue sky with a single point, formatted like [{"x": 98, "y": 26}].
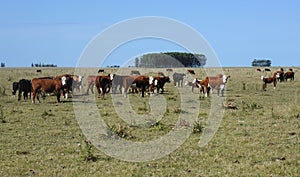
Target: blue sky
[{"x": 57, "y": 32}]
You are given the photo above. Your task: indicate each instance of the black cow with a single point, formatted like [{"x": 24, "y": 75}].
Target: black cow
[{"x": 25, "y": 88}]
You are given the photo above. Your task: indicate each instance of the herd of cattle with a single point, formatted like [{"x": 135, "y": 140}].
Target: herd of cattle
[
  {"x": 68, "y": 83},
  {"x": 279, "y": 75}
]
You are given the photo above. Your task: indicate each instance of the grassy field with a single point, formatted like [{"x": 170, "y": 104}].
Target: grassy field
[{"x": 260, "y": 138}]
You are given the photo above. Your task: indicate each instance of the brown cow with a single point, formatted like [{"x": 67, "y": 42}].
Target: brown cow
[
  {"x": 258, "y": 70},
  {"x": 47, "y": 85},
  {"x": 159, "y": 83},
  {"x": 289, "y": 75},
  {"x": 268, "y": 80},
  {"x": 214, "y": 82},
  {"x": 142, "y": 82}
]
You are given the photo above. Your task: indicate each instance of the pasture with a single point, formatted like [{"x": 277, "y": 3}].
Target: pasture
[{"x": 259, "y": 138}]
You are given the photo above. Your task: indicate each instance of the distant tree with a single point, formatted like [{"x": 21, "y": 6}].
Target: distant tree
[
  {"x": 2, "y": 65},
  {"x": 172, "y": 59},
  {"x": 137, "y": 62},
  {"x": 261, "y": 63}
]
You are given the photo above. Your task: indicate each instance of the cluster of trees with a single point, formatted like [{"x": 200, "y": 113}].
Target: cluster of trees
[
  {"x": 2, "y": 65},
  {"x": 261, "y": 63},
  {"x": 170, "y": 60},
  {"x": 43, "y": 65}
]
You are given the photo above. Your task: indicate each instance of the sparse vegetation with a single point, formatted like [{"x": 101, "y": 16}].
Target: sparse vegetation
[{"x": 261, "y": 138}]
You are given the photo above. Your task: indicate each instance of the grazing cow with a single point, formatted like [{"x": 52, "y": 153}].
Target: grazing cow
[
  {"x": 267, "y": 69},
  {"x": 142, "y": 82},
  {"x": 268, "y": 80},
  {"x": 15, "y": 86},
  {"x": 135, "y": 72},
  {"x": 169, "y": 70},
  {"x": 103, "y": 84},
  {"x": 191, "y": 71},
  {"x": 280, "y": 75},
  {"x": 100, "y": 70},
  {"x": 291, "y": 69},
  {"x": 159, "y": 83},
  {"x": 178, "y": 79},
  {"x": 47, "y": 85},
  {"x": 258, "y": 70},
  {"x": 39, "y": 71},
  {"x": 289, "y": 75},
  {"x": 25, "y": 88}
]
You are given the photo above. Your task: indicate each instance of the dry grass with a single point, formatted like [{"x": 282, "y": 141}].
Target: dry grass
[{"x": 260, "y": 138}]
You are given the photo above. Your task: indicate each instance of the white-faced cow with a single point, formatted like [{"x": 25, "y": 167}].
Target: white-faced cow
[{"x": 159, "y": 83}]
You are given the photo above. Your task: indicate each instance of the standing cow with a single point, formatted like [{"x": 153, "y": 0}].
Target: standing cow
[{"x": 25, "y": 88}]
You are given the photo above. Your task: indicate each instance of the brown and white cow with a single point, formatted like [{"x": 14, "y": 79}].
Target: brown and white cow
[
  {"x": 141, "y": 82},
  {"x": 213, "y": 82},
  {"x": 268, "y": 80},
  {"x": 47, "y": 85}
]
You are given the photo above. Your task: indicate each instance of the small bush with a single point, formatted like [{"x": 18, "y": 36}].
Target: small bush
[
  {"x": 198, "y": 127},
  {"x": 87, "y": 154},
  {"x": 121, "y": 131}
]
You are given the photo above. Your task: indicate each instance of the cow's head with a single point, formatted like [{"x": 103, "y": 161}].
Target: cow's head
[
  {"x": 64, "y": 80},
  {"x": 225, "y": 78}
]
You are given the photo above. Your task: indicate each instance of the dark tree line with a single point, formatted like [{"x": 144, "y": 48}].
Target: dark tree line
[
  {"x": 170, "y": 60},
  {"x": 261, "y": 63},
  {"x": 43, "y": 65}
]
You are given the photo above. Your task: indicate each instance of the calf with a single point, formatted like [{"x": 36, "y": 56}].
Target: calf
[{"x": 193, "y": 84}]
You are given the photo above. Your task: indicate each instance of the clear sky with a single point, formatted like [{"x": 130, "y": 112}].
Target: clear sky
[{"x": 57, "y": 32}]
